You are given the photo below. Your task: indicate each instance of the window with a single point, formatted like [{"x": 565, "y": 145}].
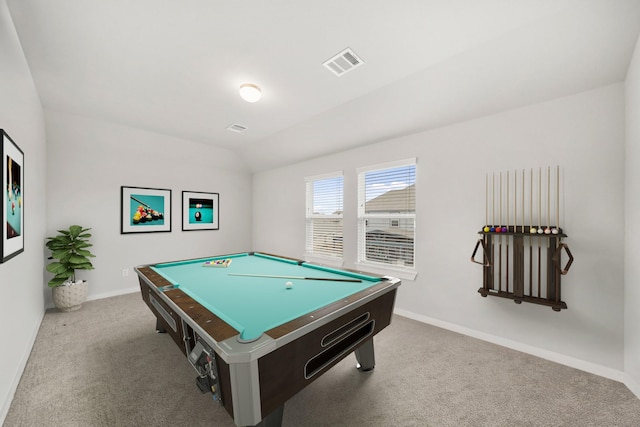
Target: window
[
  {"x": 324, "y": 215},
  {"x": 387, "y": 214}
]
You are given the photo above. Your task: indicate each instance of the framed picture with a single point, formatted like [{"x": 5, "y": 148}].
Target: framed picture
[
  {"x": 144, "y": 210},
  {"x": 200, "y": 211},
  {"x": 13, "y": 198}
]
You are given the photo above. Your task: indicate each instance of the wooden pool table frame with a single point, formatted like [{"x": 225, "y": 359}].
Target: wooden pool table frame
[{"x": 255, "y": 379}]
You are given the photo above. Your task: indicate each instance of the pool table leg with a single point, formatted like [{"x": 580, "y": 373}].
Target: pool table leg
[
  {"x": 365, "y": 356},
  {"x": 274, "y": 419},
  {"x": 159, "y": 328}
]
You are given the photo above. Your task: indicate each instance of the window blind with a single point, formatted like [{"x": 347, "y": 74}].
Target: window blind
[
  {"x": 324, "y": 215},
  {"x": 387, "y": 214}
]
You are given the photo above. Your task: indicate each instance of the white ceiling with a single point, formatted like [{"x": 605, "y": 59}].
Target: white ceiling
[{"x": 174, "y": 66}]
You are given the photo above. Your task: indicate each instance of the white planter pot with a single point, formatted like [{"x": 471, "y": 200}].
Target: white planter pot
[{"x": 71, "y": 297}]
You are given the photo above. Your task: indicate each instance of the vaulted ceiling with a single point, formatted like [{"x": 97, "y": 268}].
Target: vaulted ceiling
[{"x": 174, "y": 67}]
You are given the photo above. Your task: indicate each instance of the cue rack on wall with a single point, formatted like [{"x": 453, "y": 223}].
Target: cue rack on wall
[{"x": 523, "y": 262}]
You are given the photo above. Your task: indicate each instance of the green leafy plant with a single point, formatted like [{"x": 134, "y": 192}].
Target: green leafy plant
[{"x": 69, "y": 248}]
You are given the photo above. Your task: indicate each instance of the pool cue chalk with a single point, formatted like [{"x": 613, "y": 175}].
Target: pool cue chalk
[{"x": 288, "y": 285}]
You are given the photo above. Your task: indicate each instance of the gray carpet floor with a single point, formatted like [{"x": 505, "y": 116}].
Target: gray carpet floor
[{"x": 105, "y": 366}]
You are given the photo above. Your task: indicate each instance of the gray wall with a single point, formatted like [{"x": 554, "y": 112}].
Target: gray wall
[
  {"x": 583, "y": 133},
  {"x": 632, "y": 231},
  {"x": 88, "y": 162},
  {"x": 22, "y": 301}
]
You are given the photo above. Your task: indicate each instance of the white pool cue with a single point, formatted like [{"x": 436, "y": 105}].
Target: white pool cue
[
  {"x": 523, "y": 211},
  {"x": 499, "y": 230},
  {"x": 507, "y": 205},
  {"x": 507, "y": 238},
  {"x": 500, "y": 207},
  {"x": 486, "y": 227},
  {"x": 547, "y": 229},
  {"x": 540, "y": 230},
  {"x": 493, "y": 228},
  {"x": 556, "y": 230},
  {"x": 532, "y": 229},
  {"x": 493, "y": 202},
  {"x": 515, "y": 201}
]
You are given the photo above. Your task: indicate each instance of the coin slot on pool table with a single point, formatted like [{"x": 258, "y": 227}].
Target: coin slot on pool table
[
  {"x": 344, "y": 346},
  {"x": 344, "y": 330},
  {"x": 166, "y": 316}
]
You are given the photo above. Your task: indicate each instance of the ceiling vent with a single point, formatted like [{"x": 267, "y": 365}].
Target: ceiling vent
[
  {"x": 236, "y": 128},
  {"x": 343, "y": 62}
]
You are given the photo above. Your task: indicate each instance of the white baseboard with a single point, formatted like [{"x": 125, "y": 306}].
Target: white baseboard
[
  {"x": 19, "y": 371},
  {"x": 114, "y": 293},
  {"x": 632, "y": 385},
  {"x": 572, "y": 362}
]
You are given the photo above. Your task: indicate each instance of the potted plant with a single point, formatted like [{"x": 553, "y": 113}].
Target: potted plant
[{"x": 69, "y": 250}]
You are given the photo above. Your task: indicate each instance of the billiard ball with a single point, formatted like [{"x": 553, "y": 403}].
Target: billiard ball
[{"x": 288, "y": 285}]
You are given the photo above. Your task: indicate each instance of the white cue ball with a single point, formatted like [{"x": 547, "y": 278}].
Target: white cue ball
[{"x": 288, "y": 285}]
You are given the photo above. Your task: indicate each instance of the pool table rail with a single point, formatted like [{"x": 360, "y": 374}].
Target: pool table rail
[{"x": 211, "y": 324}]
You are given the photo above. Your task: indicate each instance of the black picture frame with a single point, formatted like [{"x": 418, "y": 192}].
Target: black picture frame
[
  {"x": 200, "y": 211},
  {"x": 145, "y": 210},
  {"x": 12, "y": 198}
]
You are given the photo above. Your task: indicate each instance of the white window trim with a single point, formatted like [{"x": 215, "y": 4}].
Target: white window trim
[
  {"x": 406, "y": 273},
  {"x": 333, "y": 174},
  {"x": 389, "y": 165}
]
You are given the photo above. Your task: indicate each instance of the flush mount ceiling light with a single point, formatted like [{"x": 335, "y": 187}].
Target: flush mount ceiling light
[{"x": 250, "y": 92}]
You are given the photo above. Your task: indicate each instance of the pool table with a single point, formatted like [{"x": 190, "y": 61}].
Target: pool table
[{"x": 258, "y": 328}]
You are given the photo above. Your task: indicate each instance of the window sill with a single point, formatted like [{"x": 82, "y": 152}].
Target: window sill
[{"x": 401, "y": 273}]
